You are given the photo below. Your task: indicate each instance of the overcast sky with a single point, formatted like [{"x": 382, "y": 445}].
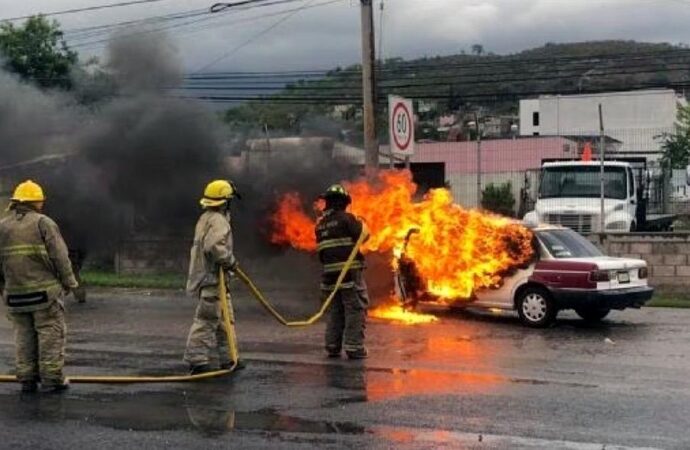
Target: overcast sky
[{"x": 328, "y": 35}]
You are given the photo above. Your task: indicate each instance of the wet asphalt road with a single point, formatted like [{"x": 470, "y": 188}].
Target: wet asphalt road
[{"x": 469, "y": 381}]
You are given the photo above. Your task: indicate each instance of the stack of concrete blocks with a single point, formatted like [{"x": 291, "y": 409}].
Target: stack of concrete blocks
[{"x": 667, "y": 255}]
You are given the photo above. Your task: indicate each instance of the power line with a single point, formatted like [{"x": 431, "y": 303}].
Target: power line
[
  {"x": 93, "y": 31},
  {"x": 263, "y": 32},
  {"x": 437, "y": 81},
  {"x": 77, "y": 10},
  {"x": 357, "y": 100},
  {"x": 209, "y": 17},
  {"x": 584, "y": 63}
]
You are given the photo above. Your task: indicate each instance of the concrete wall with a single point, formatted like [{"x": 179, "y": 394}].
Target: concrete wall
[{"x": 667, "y": 254}]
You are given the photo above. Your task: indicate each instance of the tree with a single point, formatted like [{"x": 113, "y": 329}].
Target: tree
[
  {"x": 499, "y": 199},
  {"x": 36, "y": 51},
  {"x": 676, "y": 145},
  {"x": 477, "y": 49}
]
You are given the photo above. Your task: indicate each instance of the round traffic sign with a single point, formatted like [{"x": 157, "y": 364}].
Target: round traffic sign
[{"x": 402, "y": 126}]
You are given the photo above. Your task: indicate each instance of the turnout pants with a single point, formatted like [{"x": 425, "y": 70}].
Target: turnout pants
[
  {"x": 40, "y": 338},
  {"x": 207, "y": 341},
  {"x": 347, "y": 317}
]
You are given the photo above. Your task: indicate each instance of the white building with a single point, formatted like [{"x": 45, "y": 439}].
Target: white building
[{"x": 636, "y": 118}]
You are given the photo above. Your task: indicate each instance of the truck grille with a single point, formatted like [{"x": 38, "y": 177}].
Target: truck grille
[{"x": 578, "y": 222}]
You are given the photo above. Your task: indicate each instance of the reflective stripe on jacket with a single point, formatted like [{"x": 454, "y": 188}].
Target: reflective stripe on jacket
[
  {"x": 212, "y": 248},
  {"x": 336, "y": 235},
  {"x": 34, "y": 264}
]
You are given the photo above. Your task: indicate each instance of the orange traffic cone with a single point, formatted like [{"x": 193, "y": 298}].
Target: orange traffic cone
[{"x": 587, "y": 152}]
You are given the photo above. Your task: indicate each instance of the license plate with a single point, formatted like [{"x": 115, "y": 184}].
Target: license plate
[{"x": 623, "y": 277}]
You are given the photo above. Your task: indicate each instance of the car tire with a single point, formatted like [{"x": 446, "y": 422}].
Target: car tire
[
  {"x": 536, "y": 308},
  {"x": 592, "y": 314}
]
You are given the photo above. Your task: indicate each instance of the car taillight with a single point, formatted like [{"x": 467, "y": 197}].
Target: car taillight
[
  {"x": 642, "y": 273},
  {"x": 599, "y": 275}
]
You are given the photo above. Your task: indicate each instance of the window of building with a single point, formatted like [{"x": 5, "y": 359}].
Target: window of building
[{"x": 535, "y": 119}]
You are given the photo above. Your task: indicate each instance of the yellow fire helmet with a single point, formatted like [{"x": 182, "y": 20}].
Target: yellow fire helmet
[
  {"x": 218, "y": 192},
  {"x": 336, "y": 190},
  {"x": 28, "y": 191}
]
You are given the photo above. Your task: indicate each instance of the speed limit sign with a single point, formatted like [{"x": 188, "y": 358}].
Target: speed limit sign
[{"x": 401, "y": 128}]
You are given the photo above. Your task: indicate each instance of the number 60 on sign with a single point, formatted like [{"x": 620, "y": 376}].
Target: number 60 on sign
[{"x": 401, "y": 125}]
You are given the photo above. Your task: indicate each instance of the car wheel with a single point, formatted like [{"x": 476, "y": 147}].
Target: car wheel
[
  {"x": 592, "y": 314},
  {"x": 536, "y": 308}
]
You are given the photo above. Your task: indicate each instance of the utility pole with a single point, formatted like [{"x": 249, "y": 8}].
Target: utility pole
[
  {"x": 602, "y": 157},
  {"x": 479, "y": 158},
  {"x": 371, "y": 146}
]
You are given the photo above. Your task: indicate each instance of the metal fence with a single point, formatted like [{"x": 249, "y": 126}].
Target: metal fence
[{"x": 635, "y": 179}]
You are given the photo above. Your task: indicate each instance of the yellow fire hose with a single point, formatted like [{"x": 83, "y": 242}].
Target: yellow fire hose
[
  {"x": 258, "y": 295},
  {"x": 228, "y": 324}
]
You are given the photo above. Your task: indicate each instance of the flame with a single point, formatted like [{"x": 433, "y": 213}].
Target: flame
[
  {"x": 396, "y": 313},
  {"x": 455, "y": 251}
]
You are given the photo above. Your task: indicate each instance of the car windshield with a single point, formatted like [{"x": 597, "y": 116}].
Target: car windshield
[
  {"x": 582, "y": 181},
  {"x": 567, "y": 244}
]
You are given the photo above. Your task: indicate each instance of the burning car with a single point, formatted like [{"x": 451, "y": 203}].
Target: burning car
[
  {"x": 444, "y": 253},
  {"x": 568, "y": 272}
]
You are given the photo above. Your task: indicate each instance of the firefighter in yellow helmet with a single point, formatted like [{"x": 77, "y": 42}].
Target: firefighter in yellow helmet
[
  {"x": 35, "y": 274},
  {"x": 336, "y": 234},
  {"x": 212, "y": 250}
]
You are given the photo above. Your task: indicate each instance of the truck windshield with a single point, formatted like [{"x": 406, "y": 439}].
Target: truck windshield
[
  {"x": 567, "y": 244},
  {"x": 583, "y": 181}
]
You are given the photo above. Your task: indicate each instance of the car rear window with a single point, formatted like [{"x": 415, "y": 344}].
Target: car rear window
[{"x": 567, "y": 244}]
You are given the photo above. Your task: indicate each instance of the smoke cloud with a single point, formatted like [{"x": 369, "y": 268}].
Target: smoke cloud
[{"x": 138, "y": 158}]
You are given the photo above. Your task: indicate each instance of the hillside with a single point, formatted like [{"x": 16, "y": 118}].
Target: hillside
[{"x": 494, "y": 82}]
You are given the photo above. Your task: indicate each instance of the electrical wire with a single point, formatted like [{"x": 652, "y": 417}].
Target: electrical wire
[
  {"x": 496, "y": 95},
  {"x": 261, "y": 33},
  {"x": 427, "y": 82},
  {"x": 209, "y": 17},
  {"x": 77, "y": 10}
]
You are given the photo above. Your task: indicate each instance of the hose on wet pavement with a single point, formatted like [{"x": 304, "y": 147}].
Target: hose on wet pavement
[
  {"x": 268, "y": 306},
  {"x": 233, "y": 354},
  {"x": 229, "y": 326}
]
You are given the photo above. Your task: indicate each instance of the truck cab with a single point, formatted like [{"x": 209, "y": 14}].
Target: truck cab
[{"x": 569, "y": 195}]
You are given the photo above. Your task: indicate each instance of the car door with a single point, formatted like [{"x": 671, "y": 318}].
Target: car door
[{"x": 503, "y": 296}]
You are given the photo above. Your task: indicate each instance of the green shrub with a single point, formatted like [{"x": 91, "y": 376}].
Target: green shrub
[{"x": 499, "y": 199}]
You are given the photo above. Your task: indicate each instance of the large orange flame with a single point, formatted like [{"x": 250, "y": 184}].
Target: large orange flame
[{"x": 455, "y": 250}]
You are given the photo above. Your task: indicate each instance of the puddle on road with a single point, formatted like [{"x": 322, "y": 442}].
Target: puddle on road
[{"x": 161, "y": 412}]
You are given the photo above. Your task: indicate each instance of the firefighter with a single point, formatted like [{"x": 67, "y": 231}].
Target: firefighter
[
  {"x": 212, "y": 250},
  {"x": 336, "y": 234},
  {"x": 36, "y": 274}
]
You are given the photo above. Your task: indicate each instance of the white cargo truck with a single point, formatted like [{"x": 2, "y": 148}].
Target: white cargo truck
[{"x": 570, "y": 195}]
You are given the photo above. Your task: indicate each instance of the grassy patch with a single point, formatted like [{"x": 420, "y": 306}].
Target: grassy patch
[
  {"x": 110, "y": 279},
  {"x": 670, "y": 302}
]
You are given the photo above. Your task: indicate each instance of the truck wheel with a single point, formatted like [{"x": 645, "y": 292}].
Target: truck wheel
[
  {"x": 536, "y": 307},
  {"x": 592, "y": 314}
]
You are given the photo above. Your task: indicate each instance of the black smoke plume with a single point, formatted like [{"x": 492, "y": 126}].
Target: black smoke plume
[{"x": 135, "y": 159}]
